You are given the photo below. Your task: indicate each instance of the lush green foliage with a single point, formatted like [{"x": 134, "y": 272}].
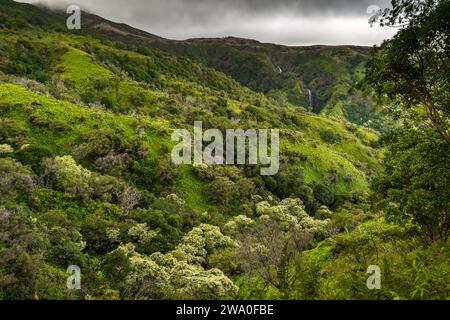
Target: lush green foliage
[
  {"x": 86, "y": 177},
  {"x": 414, "y": 185},
  {"x": 412, "y": 68}
]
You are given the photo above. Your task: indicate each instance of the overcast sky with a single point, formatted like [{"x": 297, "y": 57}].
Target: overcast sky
[{"x": 289, "y": 22}]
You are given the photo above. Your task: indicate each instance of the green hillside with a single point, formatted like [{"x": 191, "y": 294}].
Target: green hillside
[
  {"x": 322, "y": 79},
  {"x": 86, "y": 179}
]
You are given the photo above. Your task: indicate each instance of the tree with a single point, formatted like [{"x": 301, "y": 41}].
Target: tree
[
  {"x": 270, "y": 245},
  {"x": 269, "y": 251},
  {"x": 414, "y": 186},
  {"x": 178, "y": 274},
  {"x": 15, "y": 179},
  {"x": 412, "y": 68},
  {"x": 221, "y": 191},
  {"x": 194, "y": 283},
  {"x": 200, "y": 242},
  {"x": 412, "y": 71},
  {"x": 238, "y": 224},
  {"x": 24, "y": 273},
  {"x": 32, "y": 155},
  {"x": 64, "y": 174}
]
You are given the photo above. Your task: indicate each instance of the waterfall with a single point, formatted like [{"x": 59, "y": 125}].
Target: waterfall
[{"x": 310, "y": 99}]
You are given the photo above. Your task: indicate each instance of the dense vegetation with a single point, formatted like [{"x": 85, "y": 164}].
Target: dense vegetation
[
  {"x": 86, "y": 178},
  {"x": 320, "y": 78}
]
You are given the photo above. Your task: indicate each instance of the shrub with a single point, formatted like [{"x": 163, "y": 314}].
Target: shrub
[
  {"x": 15, "y": 179},
  {"x": 63, "y": 173},
  {"x": 5, "y": 149},
  {"x": 323, "y": 213},
  {"x": 324, "y": 194},
  {"x": 12, "y": 132},
  {"x": 221, "y": 191},
  {"x": 330, "y": 136},
  {"x": 33, "y": 155}
]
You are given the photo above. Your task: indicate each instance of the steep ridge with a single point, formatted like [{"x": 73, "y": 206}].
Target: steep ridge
[{"x": 320, "y": 78}]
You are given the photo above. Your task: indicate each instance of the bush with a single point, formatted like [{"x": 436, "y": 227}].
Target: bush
[
  {"x": 12, "y": 132},
  {"x": 289, "y": 182},
  {"x": 101, "y": 143},
  {"x": 5, "y": 149},
  {"x": 63, "y": 173},
  {"x": 221, "y": 191},
  {"x": 330, "y": 136},
  {"x": 95, "y": 230},
  {"x": 16, "y": 181},
  {"x": 33, "y": 155},
  {"x": 324, "y": 194}
]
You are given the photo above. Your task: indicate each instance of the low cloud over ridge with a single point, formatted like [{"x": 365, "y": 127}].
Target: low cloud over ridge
[{"x": 289, "y": 22}]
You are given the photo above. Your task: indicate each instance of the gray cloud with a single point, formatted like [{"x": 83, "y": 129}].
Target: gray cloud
[{"x": 291, "y": 22}]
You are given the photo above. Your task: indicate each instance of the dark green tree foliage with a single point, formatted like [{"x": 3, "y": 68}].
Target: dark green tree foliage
[
  {"x": 12, "y": 132},
  {"x": 33, "y": 156},
  {"x": 28, "y": 59},
  {"x": 290, "y": 182},
  {"x": 24, "y": 272},
  {"x": 329, "y": 136},
  {"x": 414, "y": 186},
  {"x": 412, "y": 69}
]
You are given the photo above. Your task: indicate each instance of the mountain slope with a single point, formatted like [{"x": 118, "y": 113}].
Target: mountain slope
[
  {"x": 320, "y": 78},
  {"x": 86, "y": 177},
  {"x": 122, "y": 79},
  {"x": 178, "y": 91}
]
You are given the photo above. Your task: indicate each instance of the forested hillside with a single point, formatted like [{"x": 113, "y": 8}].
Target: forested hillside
[
  {"x": 321, "y": 78},
  {"x": 86, "y": 177}
]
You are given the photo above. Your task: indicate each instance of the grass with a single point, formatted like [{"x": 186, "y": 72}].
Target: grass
[{"x": 191, "y": 190}]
